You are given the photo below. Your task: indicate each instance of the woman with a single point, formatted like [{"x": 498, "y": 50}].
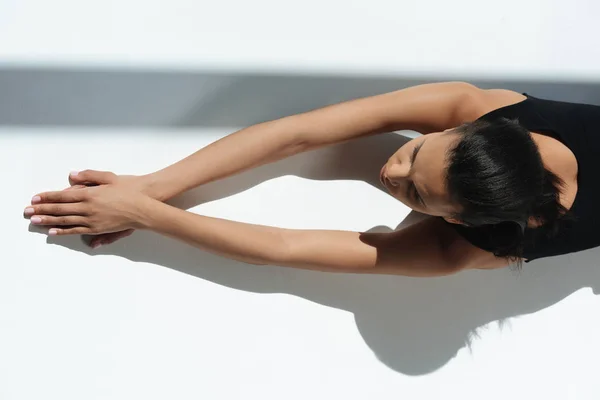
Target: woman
[{"x": 505, "y": 177}]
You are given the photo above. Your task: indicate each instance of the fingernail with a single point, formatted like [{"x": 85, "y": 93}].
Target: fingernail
[
  {"x": 95, "y": 246},
  {"x": 36, "y": 199},
  {"x": 36, "y": 220},
  {"x": 29, "y": 211},
  {"x": 74, "y": 173},
  {"x": 53, "y": 232}
]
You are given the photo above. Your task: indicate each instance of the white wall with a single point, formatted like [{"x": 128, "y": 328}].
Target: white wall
[
  {"x": 531, "y": 38},
  {"x": 132, "y": 86}
]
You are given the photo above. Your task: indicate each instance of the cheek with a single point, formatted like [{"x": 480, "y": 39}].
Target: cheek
[{"x": 399, "y": 192}]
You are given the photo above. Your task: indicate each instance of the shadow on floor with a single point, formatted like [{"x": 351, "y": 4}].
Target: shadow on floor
[
  {"x": 413, "y": 325},
  {"x": 130, "y": 98}
]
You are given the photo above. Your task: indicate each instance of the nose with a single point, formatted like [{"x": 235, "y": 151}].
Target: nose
[{"x": 397, "y": 173}]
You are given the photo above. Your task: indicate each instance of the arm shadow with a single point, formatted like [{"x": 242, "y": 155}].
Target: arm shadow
[{"x": 413, "y": 325}]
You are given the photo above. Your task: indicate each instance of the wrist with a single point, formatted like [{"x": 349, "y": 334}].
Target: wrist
[
  {"x": 147, "y": 213},
  {"x": 152, "y": 185}
]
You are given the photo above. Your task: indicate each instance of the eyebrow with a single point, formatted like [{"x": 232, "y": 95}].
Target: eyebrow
[{"x": 413, "y": 157}]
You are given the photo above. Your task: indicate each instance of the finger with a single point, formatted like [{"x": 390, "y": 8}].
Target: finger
[
  {"x": 50, "y": 220},
  {"x": 80, "y": 230},
  {"x": 92, "y": 176},
  {"x": 109, "y": 238},
  {"x": 55, "y": 209},
  {"x": 65, "y": 196},
  {"x": 75, "y": 187}
]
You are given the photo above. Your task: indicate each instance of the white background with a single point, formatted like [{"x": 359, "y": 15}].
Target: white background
[{"x": 132, "y": 86}]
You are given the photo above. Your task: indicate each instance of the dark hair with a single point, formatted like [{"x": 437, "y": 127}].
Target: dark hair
[{"x": 497, "y": 177}]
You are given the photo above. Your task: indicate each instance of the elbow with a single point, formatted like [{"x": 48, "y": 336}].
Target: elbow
[
  {"x": 265, "y": 249},
  {"x": 291, "y": 131},
  {"x": 276, "y": 251},
  {"x": 268, "y": 257}
]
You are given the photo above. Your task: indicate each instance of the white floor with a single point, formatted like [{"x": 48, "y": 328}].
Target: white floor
[{"x": 149, "y": 318}]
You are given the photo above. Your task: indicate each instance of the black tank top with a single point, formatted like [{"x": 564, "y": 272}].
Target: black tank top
[{"x": 577, "y": 126}]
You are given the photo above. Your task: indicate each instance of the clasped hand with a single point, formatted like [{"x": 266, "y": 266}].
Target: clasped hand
[{"x": 97, "y": 203}]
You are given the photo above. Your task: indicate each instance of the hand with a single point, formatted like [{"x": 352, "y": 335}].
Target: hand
[
  {"x": 93, "y": 178},
  {"x": 90, "y": 210}
]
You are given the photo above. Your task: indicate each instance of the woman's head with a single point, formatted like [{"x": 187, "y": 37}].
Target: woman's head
[{"x": 481, "y": 173}]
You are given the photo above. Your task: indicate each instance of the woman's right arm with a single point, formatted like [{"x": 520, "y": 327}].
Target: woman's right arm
[
  {"x": 424, "y": 108},
  {"x": 425, "y": 249},
  {"x": 428, "y": 248}
]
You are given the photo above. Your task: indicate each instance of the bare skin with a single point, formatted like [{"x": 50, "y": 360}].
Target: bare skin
[{"x": 120, "y": 204}]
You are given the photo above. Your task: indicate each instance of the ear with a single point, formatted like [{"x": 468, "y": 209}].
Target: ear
[
  {"x": 453, "y": 220},
  {"x": 533, "y": 222}
]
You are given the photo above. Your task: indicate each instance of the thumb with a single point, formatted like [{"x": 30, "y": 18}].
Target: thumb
[{"x": 90, "y": 176}]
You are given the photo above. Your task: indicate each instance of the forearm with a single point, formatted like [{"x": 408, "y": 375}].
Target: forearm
[
  {"x": 245, "y": 149},
  {"x": 258, "y": 244},
  {"x": 400, "y": 253},
  {"x": 254, "y": 244}
]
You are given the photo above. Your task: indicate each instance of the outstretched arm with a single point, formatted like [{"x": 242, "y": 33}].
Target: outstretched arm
[
  {"x": 423, "y": 108},
  {"x": 429, "y": 248}
]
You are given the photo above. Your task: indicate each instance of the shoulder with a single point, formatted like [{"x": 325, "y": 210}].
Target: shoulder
[
  {"x": 476, "y": 102},
  {"x": 464, "y": 252},
  {"x": 435, "y": 241},
  {"x": 435, "y": 107}
]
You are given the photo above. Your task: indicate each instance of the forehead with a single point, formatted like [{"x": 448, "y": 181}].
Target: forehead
[{"x": 429, "y": 171}]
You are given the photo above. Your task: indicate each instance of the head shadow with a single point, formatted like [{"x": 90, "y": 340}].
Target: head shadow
[{"x": 413, "y": 325}]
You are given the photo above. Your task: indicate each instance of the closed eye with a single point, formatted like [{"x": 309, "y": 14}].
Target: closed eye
[
  {"x": 416, "y": 195},
  {"x": 412, "y": 187},
  {"x": 413, "y": 156}
]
